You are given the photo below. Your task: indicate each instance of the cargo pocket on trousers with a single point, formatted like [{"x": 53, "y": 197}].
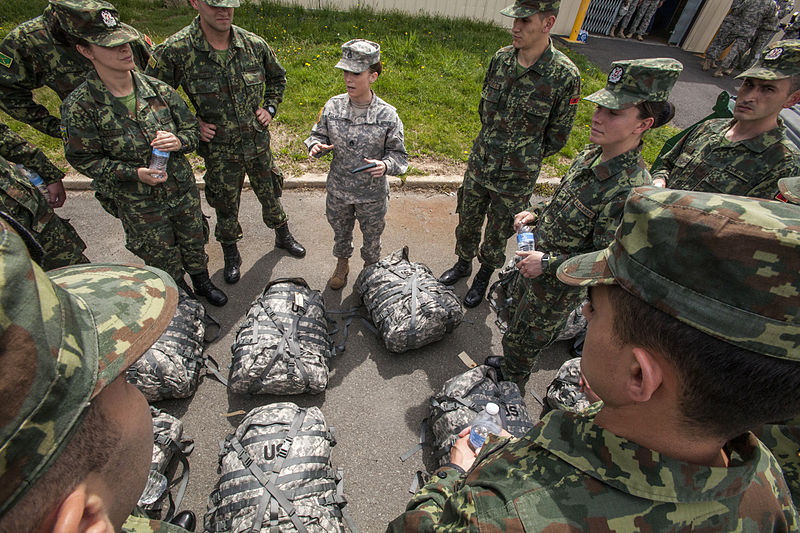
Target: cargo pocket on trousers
[{"x": 277, "y": 181}]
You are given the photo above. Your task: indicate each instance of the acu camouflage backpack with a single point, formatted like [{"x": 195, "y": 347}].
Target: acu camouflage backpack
[
  {"x": 407, "y": 303},
  {"x": 283, "y": 345},
  {"x": 276, "y": 475}
]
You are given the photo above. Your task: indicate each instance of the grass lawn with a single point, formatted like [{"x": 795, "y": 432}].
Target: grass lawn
[{"x": 433, "y": 72}]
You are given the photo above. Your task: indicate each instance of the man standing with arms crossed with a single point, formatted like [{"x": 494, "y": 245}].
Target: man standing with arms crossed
[
  {"x": 235, "y": 83},
  {"x": 528, "y": 104}
]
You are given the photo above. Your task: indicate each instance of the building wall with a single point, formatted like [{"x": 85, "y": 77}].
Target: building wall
[{"x": 706, "y": 25}]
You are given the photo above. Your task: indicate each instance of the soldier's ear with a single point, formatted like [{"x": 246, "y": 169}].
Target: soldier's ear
[
  {"x": 792, "y": 100},
  {"x": 645, "y": 375},
  {"x": 82, "y": 512}
]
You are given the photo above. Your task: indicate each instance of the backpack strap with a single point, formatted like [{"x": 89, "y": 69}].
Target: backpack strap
[
  {"x": 422, "y": 441},
  {"x": 180, "y": 452}
]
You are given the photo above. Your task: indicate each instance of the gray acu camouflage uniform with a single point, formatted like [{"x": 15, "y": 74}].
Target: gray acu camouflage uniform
[
  {"x": 738, "y": 29},
  {"x": 227, "y": 93}
]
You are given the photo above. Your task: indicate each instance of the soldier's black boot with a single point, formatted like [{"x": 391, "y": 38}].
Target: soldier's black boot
[
  {"x": 233, "y": 261},
  {"x": 284, "y": 239},
  {"x": 185, "y": 286},
  {"x": 461, "y": 269},
  {"x": 186, "y": 520},
  {"x": 203, "y": 286},
  {"x": 476, "y": 293}
]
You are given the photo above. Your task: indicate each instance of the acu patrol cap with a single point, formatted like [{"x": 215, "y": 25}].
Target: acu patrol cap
[
  {"x": 638, "y": 80},
  {"x": 726, "y": 265},
  {"x": 790, "y": 189},
  {"x": 95, "y": 21},
  {"x": 778, "y": 61},
  {"x": 358, "y": 55},
  {"x": 525, "y": 8},
  {"x": 64, "y": 336},
  {"x": 221, "y": 3}
]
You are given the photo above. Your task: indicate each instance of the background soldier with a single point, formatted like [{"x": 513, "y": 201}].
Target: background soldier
[
  {"x": 41, "y": 52},
  {"x": 685, "y": 363},
  {"x": 528, "y": 104},
  {"x": 737, "y": 31},
  {"x": 766, "y": 30},
  {"x": 644, "y": 15},
  {"x": 235, "y": 83},
  {"x": 76, "y": 438},
  {"x": 749, "y": 154}
]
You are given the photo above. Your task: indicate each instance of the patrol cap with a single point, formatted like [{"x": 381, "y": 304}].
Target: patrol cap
[
  {"x": 95, "y": 21},
  {"x": 358, "y": 55},
  {"x": 221, "y": 3},
  {"x": 64, "y": 336},
  {"x": 778, "y": 61},
  {"x": 638, "y": 80},
  {"x": 525, "y": 8},
  {"x": 726, "y": 265},
  {"x": 790, "y": 189}
]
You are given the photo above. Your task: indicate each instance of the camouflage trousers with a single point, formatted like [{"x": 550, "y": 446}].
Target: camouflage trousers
[
  {"x": 167, "y": 231},
  {"x": 728, "y": 35},
  {"x": 544, "y": 306},
  {"x": 476, "y": 203},
  {"x": 624, "y": 14},
  {"x": 224, "y": 180},
  {"x": 61, "y": 243},
  {"x": 644, "y": 14},
  {"x": 371, "y": 218},
  {"x": 758, "y": 43}
]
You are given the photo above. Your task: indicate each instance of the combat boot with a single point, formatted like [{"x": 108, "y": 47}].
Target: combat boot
[
  {"x": 476, "y": 293},
  {"x": 233, "y": 261},
  {"x": 203, "y": 286},
  {"x": 639, "y": 38},
  {"x": 284, "y": 239},
  {"x": 612, "y": 32},
  {"x": 186, "y": 520},
  {"x": 718, "y": 73},
  {"x": 706, "y": 64},
  {"x": 339, "y": 276},
  {"x": 185, "y": 286},
  {"x": 461, "y": 269}
]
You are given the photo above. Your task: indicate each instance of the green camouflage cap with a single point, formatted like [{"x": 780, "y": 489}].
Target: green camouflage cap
[
  {"x": 790, "y": 189},
  {"x": 525, "y": 8},
  {"x": 93, "y": 20},
  {"x": 638, "y": 80},
  {"x": 726, "y": 265},
  {"x": 221, "y": 3},
  {"x": 778, "y": 61},
  {"x": 358, "y": 55},
  {"x": 65, "y": 335}
]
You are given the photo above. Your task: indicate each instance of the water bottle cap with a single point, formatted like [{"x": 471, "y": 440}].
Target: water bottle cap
[
  {"x": 492, "y": 408},
  {"x": 159, "y": 153}
]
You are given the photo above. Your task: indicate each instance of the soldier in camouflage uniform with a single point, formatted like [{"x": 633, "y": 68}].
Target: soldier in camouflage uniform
[
  {"x": 41, "y": 52},
  {"x": 235, "y": 83},
  {"x": 112, "y": 123},
  {"x": 766, "y": 30},
  {"x": 360, "y": 129},
  {"x": 22, "y": 200},
  {"x": 528, "y": 103},
  {"x": 686, "y": 363},
  {"x": 737, "y": 30},
  {"x": 586, "y": 208},
  {"x": 76, "y": 439},
  {"x": 644, "y": 15},
  {"x": 749, "y": 154}
]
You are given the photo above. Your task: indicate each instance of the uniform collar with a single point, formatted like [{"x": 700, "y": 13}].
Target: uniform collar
[
  {"x": 540, "y": 67},
  {"x": 607, "y": 169},
  {"x": 759, "y": 143},
  {"x": 102, "y": 95},
  {"x": 199, "y": 40},
  {"x": 630, "y": 468}
]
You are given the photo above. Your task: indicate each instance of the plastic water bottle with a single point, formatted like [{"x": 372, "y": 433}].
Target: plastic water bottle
[
  {"x": 488, "y": 421},
  {"x": 36, "y": 179},
  {"x": 155, "y": 488},
  {"x": 525, "y": 240},
  {"x": 158, "y": 161}
]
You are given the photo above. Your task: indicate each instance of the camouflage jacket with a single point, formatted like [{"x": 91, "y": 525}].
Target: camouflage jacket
[
  {"x": 769, "y": 17},
  {"x": 524, "y": 118},
  {"x": 139, "y": 524},
  {"x": 21, "y": 199},
  {"x": 568, "y": 474},
  {"x": 226, "y": 95},
  {"x": 705, "y": 160},
  {"x": 783, "y": 440},
  {"x": 586, "y": 209},
  {"x": 784, "y": 7},
  {"x": 31, "y": 57},
  {"x": 106, "y": 142},
  {"x": 376, "y": 135},
  {"x": 744, "y": 18},
  {"x": 18, "y": 150}
]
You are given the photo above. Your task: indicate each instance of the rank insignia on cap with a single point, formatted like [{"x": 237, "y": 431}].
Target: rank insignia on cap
[
  {"x": 615, "y": 75},
  {"x": 775, "y": 53},
  {"x": 108, "y": 18},
  {"x": 64, "y": 135},
  {"x": 5, "y": 60}
]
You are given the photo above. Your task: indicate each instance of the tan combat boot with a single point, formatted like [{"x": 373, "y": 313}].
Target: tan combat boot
[
  {"x": 706, "y": 64},
  {"x": 339, "y": 276}
]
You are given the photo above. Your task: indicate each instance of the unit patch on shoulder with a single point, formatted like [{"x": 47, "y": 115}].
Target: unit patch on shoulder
[
  {"x": 615, "y": 75},
  {"x": 64, "y": 134},
  {"x": 152, "y": 63},
  {"x": 574, "y": 100},
  {"x": 775, "y": 53},
  {"x": 6, "y": 60}
]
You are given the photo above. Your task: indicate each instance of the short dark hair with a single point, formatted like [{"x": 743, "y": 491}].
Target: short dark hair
[
  {"x": 795, "y": 83},
  {"x": 725, "y": 389},
  {"x": 89, "y": 450},
  {"x": 377, "y": 67},
  {"x": 660, "y": 112}
]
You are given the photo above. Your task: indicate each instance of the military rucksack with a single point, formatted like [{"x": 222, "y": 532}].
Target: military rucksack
[
  {"x": 283, "y": 345},
  {"x": 170, "y": 449},
  {"x": 172, "y": 367},
  {"x": 407, "y": 303},
  {"x": 564, "y": 392},
  {"x": 276, "y": 475},
  {"x": 463, "y": 397}
]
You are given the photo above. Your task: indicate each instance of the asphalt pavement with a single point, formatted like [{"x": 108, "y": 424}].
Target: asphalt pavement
[{"x": 376, "y": 400}]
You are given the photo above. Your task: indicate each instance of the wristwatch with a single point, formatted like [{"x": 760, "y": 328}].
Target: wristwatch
[
  {"x": 272, "y": 110},
  {"x": 545, "y": 261}
]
